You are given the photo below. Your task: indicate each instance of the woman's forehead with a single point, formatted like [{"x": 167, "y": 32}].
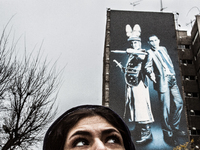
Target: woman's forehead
[
  {"x": 92, "y": 124},
  {"x": 92, "y": 120}
]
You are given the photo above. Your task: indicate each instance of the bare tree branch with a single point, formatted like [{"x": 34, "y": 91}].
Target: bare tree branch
[{"x": 31, "y": 86}]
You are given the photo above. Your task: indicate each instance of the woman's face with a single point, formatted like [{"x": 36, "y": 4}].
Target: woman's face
[{"x": 92, "y": 133}]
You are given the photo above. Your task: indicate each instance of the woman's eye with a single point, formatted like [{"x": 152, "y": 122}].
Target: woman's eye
[
  {"x": 80, "y": 143},
  {"x": 113, "y": 139}
]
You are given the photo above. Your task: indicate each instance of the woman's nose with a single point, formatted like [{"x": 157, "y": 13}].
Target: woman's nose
[{"x": 98, "y": 145}]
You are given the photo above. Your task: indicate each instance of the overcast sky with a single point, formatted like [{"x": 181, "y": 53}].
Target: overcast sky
[{"x": 73, "y": 32}]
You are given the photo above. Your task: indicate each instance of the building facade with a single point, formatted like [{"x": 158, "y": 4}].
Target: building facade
[{"x": 189, "y": 58}]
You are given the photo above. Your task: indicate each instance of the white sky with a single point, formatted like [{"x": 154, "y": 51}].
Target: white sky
[{"x": 74, "y": 32}]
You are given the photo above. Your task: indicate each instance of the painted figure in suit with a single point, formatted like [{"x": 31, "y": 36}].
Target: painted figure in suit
[
  {"x": 160, "y": 69},
  {"x": 137, "y": 101}
]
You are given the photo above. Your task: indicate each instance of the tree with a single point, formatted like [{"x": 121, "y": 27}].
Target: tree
[
  {"x": 31, "y": 91},
  {"x": 7, "y": 66}
]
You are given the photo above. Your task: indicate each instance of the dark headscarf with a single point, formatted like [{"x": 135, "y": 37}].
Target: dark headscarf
[{"x": 56, "y": 135}]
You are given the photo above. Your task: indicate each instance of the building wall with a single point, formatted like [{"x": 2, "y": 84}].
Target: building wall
[
  {"x": 115, "y": 39},
  {"x": 106, "y": 61},
  {"x": 189, "y": 58}
]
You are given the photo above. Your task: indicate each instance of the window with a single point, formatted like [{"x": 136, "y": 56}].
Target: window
[
  {"x": 194, "y": 131},
  {"x": 181, "y": 46},
  {"x": 194, "y": 113},
  {"x": 197, "y": 112},
  {"x": 191, "y": 113},
  {"x": 187, "y": 46},
  {"x": 186, "y": 61},
  {"x": 194, "y": 94},
  {"x": 189, "y": 77},
  {"x": 184, "y": 46},
  {"x": 190, "y": 94},
  {"x": 189, "y": 61}
]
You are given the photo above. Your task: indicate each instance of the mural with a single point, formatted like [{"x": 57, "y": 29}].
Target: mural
[{"x": 145, "y": 81}]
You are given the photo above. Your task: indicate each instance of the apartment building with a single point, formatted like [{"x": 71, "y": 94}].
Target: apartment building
[{"x": 189, "y": 58}]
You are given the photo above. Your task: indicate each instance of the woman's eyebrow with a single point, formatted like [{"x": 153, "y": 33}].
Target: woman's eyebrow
[
  {"x": 87, "y": 133},
  {"x": 84, "y": 133},
  {"x": 108, "y": 131}
]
